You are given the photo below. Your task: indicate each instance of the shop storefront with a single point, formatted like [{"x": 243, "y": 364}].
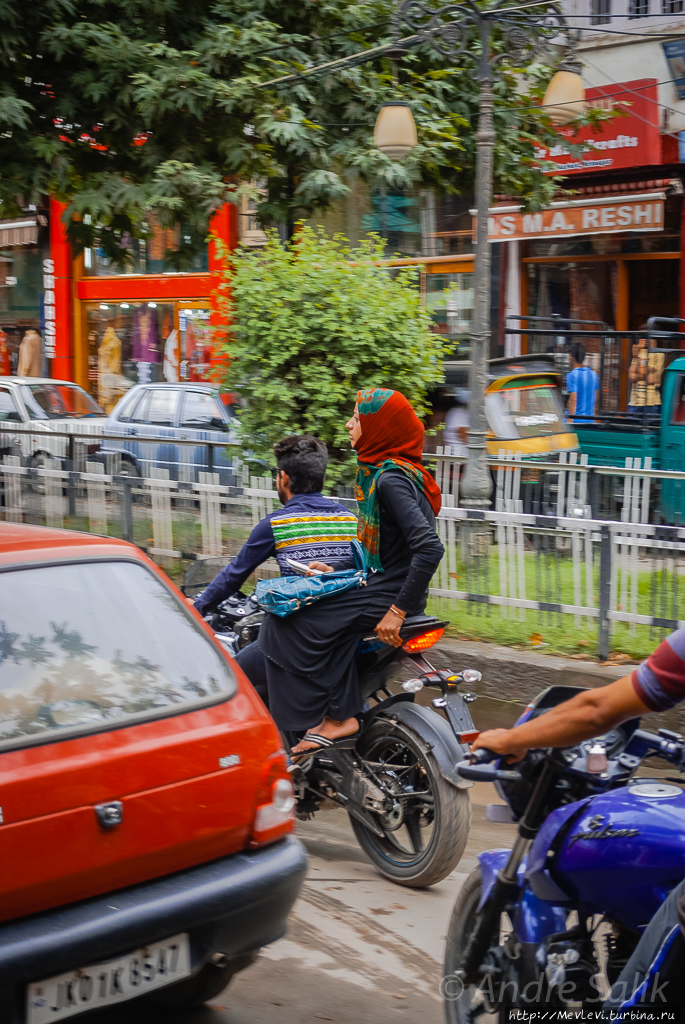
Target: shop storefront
[
  {"x": 611, "y": 252},
  {"x": 80, "y": 319},
  {"x": 24, "y": 261},
  {"x": 149, "y": 326}
]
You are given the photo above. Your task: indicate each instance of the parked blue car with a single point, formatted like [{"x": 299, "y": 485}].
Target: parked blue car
[{"x": 174, "y": 412}]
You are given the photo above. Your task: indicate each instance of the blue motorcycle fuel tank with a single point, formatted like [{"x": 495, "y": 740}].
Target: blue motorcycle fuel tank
[{"x": 618, "y": 853}]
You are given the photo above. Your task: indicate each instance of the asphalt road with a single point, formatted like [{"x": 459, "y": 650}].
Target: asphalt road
[{"x": 359, "y": 949}]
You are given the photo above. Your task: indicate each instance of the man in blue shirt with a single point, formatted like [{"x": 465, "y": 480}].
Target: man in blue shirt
[
  {"x": 309, "y": 528},
  {"x": 582, "y": 384}
]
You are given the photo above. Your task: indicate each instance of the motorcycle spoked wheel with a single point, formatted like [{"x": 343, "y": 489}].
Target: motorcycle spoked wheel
[{"x": 425, "y": 833}]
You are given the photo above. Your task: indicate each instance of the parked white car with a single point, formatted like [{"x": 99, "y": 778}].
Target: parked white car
[{"x": 46, "y": 406}]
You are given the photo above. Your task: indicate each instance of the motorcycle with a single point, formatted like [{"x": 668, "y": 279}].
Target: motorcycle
[
  {"x": 408, "y": 807},
  {"x": 592, "y": 839}
]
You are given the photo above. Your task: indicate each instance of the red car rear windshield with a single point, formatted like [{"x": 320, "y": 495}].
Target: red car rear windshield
[{"x": 93, "y": 645}]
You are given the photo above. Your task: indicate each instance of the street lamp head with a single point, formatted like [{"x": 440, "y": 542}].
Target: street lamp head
[
  {"x": 395, "y": 131},
  {"x": 564, "y": 98}
]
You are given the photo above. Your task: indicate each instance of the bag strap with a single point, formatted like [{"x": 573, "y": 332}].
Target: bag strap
[{"x": 359, "y": 555}]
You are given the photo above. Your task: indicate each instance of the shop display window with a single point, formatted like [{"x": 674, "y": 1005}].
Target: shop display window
[
  {"x": 449, "y": 300},
  {"x": 22, "y": 298},
  {"x": 577, "y": 291},
  {"x": 130, "y": 343},
  {"x": 195, "y": 336}
]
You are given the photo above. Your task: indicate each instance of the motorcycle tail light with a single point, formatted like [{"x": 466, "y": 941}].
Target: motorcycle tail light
[
  {"x": 422, "y": 642},
  {"x": 274, "y": 813}
]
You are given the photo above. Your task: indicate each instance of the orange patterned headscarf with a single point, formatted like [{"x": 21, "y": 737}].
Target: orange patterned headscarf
[{"x": 391, "y": 438}]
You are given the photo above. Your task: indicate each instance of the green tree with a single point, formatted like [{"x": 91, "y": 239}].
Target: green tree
[
  {"x": 119, "y": 107},
  {"x": 313, "y": 322}
]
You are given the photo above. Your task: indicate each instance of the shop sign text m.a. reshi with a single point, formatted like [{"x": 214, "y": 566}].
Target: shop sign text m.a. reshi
[{"x": 583, "y": 217}]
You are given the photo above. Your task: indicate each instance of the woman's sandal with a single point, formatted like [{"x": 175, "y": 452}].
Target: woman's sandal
[{"x": 324, "y": 743}]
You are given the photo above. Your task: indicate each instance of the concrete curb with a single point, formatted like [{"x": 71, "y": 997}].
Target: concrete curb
[{"x": 520, "y": 675}]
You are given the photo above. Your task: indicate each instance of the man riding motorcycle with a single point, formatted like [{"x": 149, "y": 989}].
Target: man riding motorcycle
[
  {"x": 310, "y": 527},
  {"x": 653, "y": 974}
]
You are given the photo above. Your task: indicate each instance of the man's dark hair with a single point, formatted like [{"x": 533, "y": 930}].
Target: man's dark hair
[
  {"x": 304, "y": 459},
  {"x": 577, "y": 352}
]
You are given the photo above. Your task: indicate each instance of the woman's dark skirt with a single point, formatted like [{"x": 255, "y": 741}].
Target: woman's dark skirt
[{"x": 309, "y": 670}]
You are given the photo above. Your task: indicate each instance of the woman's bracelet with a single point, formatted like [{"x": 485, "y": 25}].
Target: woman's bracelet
[{"x": 397, "y": 611}]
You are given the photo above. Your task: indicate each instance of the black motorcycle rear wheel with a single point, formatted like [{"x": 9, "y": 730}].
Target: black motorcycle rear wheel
[{"x": 426, "y": 821}]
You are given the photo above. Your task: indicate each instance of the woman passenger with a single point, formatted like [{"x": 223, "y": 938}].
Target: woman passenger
[{"x": 309, "y": 664}]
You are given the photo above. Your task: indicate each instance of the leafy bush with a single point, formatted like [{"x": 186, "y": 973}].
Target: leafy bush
[{"x": 313, "y": 322}]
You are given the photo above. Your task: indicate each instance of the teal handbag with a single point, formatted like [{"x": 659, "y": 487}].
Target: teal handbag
[{"x": 287, "y": 594}]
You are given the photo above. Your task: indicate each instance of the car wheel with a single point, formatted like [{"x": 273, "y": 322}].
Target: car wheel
[{"x": 211, "y": 979}]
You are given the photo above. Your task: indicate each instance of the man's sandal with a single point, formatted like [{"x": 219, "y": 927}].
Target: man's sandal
[{"x": 324, "y": 743}]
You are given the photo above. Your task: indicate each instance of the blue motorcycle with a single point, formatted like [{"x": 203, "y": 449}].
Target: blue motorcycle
[{"x": 592, "y": 838}]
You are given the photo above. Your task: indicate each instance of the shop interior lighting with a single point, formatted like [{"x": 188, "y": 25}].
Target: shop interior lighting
[
  {"x": 103, "y": 305},
  {"x": 123, "y": 305},
  {"x": 152, "y": 305}
]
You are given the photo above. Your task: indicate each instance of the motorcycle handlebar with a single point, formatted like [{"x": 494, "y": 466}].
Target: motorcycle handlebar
[{"x": 483, "y": 756}]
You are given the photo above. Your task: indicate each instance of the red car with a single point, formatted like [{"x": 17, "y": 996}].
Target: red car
[{"x": 146, "y": 813}]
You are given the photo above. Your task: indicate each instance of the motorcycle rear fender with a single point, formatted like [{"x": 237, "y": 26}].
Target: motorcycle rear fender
[
  {"x": 535, "y": 919},
  {"x": 436, "y": 733}
]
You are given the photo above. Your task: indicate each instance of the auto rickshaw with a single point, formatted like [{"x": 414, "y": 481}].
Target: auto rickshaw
[{"x": 523, "y": 406}]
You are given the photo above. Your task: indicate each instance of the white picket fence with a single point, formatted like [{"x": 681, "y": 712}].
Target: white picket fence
[{"x": 503, "y": 557}]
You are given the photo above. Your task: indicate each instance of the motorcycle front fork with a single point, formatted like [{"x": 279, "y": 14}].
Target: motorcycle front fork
[{"x": 506, "y": 884}]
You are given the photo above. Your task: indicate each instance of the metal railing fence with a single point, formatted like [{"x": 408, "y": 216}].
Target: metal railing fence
[{"x": 506, "y": 572}]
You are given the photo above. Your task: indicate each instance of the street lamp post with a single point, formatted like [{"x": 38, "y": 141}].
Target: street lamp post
[{"x": 451, "y": 29}]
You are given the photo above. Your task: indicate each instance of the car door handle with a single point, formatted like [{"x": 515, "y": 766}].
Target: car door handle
[{"x": 132, "y": 431}]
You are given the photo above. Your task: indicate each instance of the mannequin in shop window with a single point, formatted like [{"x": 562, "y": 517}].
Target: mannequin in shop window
[
  {"x": 145, "y": 341},
  {"x": 30, "y": 355},
  {"x": 645, "y": 372},
  {"x": 111, "y": 382}
]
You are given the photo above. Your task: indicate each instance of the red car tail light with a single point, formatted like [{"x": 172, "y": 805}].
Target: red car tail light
[
  {"x": 422, "y": 642},
  {"x": 275, "y": 810}
]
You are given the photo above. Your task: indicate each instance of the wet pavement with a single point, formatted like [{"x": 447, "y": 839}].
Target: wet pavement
[{"x": 359, "y": 949}]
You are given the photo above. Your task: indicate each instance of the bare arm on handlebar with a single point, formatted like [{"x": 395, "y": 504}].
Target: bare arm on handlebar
[{"x": 588, "y": 714}]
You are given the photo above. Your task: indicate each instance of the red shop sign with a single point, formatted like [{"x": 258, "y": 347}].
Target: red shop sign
[{"x": 631, "y": 141}]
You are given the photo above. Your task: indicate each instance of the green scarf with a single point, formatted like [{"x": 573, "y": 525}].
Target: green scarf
[{"x": 366, "y": 493}]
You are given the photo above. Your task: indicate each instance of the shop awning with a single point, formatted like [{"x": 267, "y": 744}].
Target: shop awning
[
  {"x": 588, "y": 216},
  {"x": 18, "y": 232}
]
